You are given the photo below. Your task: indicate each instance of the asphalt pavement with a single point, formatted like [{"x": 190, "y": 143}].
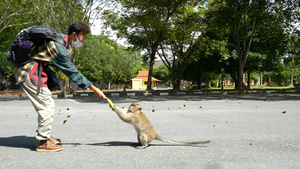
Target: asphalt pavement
[{"x": 250, "y": 131}]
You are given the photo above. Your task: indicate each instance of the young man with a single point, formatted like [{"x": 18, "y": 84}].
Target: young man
[{"x": 55, "y": 54}]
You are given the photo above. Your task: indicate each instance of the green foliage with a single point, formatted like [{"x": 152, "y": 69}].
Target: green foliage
[
  {"x": 198, "y": 40},
  {"x": 104, "y": 61},
  {"x": 19, "y": 14},
  {"x": 146, "y": 23},
  {"x": 5, "y": 66},
  {"x": 162, "y": 73}
]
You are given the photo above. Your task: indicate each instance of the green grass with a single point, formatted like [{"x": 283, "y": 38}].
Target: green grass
[{"x": 255, "y": 87}]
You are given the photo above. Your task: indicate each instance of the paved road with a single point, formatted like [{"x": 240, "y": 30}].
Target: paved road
[{"x": 246, "y": 132}]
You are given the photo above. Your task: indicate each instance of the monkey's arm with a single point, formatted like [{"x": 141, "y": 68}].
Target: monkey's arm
[{"x": 122, "y": 115}]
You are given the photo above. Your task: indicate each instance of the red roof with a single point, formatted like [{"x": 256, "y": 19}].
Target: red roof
[{"x": 143, "y": 75}]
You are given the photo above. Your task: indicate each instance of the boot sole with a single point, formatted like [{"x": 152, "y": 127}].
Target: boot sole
[{"x": 45, "y": 150}]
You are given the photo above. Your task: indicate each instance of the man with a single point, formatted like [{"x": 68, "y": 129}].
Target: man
[{"x": 55, "y": 54}]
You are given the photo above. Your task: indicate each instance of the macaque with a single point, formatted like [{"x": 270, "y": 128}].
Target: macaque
[{"x": 144, "y": 128}]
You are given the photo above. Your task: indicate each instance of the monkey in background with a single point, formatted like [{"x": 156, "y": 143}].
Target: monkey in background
[{"x": 144, "y": 128}]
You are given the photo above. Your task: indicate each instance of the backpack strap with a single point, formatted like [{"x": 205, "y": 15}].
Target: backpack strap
[{"x": 40, "y": 78}]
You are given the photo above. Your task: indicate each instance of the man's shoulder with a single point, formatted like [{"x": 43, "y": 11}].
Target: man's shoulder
[
  {"x": 61, "y": 41},
  {"x": 60, "y": 34}
]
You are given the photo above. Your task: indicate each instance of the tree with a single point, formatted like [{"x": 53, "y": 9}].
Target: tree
[
  {"x": 241, "y": 20},
  {"x": 15, "y": 15},
  {"x": 254, "y": 63},
  {"x": 162, "y": 73},
  {"x": 63, "y": 13},
  {"x": 182, "y": 41},
  {"x": 144, "y": 23},
  {"x": 210, "y": 57},
  {"x": 10, "y": 12},
  {"x": 104, "y": 61}
]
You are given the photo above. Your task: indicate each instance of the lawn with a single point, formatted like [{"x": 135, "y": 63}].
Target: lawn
[{"x": 255, "y": 87}]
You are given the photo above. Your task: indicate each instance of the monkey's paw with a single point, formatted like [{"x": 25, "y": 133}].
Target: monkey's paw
[{"x": 141, "y": 147}]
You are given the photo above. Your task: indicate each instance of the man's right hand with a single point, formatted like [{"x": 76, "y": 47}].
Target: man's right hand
[{"x": 98, "y": 92}]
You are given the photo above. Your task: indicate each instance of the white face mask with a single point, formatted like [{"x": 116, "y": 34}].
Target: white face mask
[{"x": 77, "y": 44}]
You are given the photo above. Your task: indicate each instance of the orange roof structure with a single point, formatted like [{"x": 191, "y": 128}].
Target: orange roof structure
[{"x": 143, "y": 75}]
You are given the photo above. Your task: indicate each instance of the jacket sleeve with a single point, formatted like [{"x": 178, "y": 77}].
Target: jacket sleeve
[{"x": 62, "y": 62}]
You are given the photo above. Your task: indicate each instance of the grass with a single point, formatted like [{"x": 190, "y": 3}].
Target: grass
[{"x": 255, "y": 87}]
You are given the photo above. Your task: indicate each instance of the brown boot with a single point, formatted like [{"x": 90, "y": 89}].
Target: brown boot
[
  {"x": 47, "y": 146},
  {"x": 54, "y": 140}
]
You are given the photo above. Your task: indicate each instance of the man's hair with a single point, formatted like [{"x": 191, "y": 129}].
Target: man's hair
[{"x": 79, "y": 27}]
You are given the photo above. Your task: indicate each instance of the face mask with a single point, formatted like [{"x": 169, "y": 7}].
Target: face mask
[{"x": 77, "y": 44}]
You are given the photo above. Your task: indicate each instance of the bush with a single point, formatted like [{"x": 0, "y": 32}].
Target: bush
[{"x": 297, "y": 85}]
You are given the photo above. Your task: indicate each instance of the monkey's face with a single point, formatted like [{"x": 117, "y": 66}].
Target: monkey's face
[{"x": 134, "y": 107}]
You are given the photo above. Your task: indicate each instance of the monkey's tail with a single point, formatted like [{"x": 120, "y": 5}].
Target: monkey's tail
[{"x": 181, "y": 143}]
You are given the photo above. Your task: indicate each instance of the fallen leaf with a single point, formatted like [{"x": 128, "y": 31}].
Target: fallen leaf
[
  {"x": 184, "y": 105},
  {"x": 74, "y": 145},
  {"x": 65, "y": 121},
  {"x": 68, "y": 109},
  {"x": 153, "y": 110},
  {"x": 284, "y": 112},
  {"x": 69, "y": 116},
  {"x": 200, "y": 107}
]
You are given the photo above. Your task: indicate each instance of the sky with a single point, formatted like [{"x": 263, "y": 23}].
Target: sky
[{"x": 97, "y": 28}]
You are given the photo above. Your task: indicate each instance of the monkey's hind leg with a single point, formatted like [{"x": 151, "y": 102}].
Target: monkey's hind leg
[{"x": 143, "y": 141}]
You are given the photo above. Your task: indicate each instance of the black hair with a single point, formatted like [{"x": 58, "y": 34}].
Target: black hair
[{"x": 79, "y": 27}]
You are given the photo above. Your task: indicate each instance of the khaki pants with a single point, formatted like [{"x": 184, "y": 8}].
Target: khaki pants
[{"x": 44, "y": 105}]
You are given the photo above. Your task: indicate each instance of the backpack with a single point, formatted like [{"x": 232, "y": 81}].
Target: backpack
[{"x": 20, "y": 51}]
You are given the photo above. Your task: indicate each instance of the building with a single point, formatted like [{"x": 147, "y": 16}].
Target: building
[{"x": 140, "y": 82}]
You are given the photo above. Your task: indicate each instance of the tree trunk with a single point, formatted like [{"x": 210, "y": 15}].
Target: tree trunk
[
  {"x": 248, "y": 80},
  {"x": 151, "y": 63},
  {"x": 234, "y": 77},
  {"x": 269, "y": 81},
  {"x": 222, "y": 79},
  {"x": 199, "y": 82},
  {"x": 177, "y": 84},
  {"x": 241, "y": 64},
  {"x": 180, "y": 73}
]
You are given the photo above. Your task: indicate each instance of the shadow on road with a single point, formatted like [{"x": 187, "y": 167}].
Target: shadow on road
[
  {"x": 18, "y": 142},
  {"x": 122, "y": 143}
]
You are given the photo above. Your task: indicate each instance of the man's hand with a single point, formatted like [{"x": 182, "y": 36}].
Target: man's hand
[{"x": 98, "y": 92}]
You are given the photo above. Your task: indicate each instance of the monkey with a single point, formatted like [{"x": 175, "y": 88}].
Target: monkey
[{"x": 145, "y": 130}]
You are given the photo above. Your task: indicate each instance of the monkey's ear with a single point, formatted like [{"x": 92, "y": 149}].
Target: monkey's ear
[{"x": 140, "y": 108}]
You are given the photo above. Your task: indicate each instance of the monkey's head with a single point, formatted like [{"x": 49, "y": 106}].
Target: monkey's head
[{"x": 134, "y": 107}]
